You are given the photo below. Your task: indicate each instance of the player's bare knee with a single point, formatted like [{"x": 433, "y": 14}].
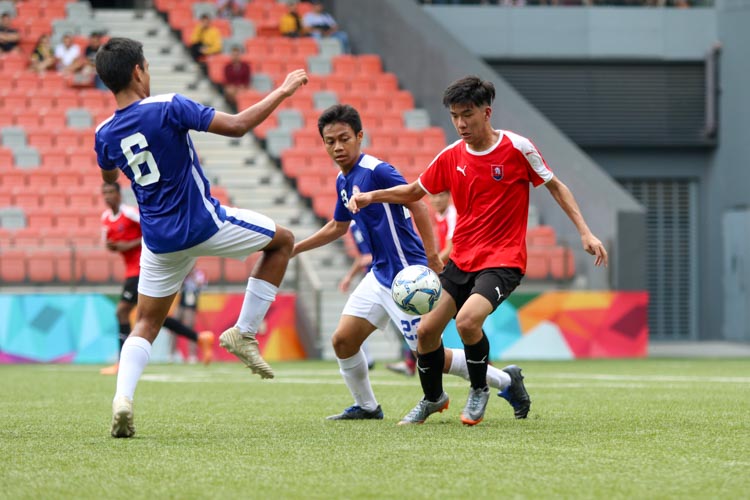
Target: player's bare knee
[
  {"x": 344, "y": 345},
  {"x": 468, "y": 325}
]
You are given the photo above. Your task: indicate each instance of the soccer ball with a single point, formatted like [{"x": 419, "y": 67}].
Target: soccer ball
[{"x": 416, "y": 289}]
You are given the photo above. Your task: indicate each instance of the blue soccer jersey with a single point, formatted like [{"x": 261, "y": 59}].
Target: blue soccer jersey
[
  {"x": 149, "y": 142},
  {"x": 386, "y": 227},
  {"x": 363, "y": 247}
]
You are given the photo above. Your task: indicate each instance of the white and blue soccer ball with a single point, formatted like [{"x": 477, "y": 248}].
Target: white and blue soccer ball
[{"x": 416, "y": 289}]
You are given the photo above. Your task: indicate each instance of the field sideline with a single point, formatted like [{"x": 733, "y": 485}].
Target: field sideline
[{"x": 653, "y": 428}]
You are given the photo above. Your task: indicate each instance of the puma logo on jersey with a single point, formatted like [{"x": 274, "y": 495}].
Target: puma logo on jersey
[{"x": 461, "y": 169}]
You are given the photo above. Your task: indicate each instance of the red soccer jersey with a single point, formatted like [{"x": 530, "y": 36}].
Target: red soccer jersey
[
  {"x": 125, "y": 226},
  {"x": 490, "y": 191},
  {"x": 444, "y": 224}
]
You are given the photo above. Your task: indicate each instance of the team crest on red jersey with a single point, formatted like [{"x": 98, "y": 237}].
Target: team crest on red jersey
[{"x": 497, "y": 172}]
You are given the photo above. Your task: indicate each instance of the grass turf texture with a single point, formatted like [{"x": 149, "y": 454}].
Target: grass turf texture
[{"x": 597, "y": 429}]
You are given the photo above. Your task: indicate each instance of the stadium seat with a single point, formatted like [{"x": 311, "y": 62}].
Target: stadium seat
[
  {"x": 96, "y": 264},
  {"x": 12, "y": 179},
  {"x": 67, "y": 269},
  {"x": 237, "y": 271},
  {"x": 212, "y": 267},
  {"x": 562, "y": 263},
  {"x": 41, "y": 265},
  {"x": 12, "y": 265},
  {"x": 25, "y": 197},
  {"x": 541, "y": 236},
  {"x": 537, "y": 264}
]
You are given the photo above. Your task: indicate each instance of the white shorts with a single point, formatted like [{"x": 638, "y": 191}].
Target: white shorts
[
  {"x": 243, "y": 233},
  {"x": 372, "y": 301}
]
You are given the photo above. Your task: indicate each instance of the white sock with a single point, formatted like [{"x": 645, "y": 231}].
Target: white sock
[
  {"x": 258, "y": 298},
  {"x": 357, "y": 379},
  {"x": 134, "y": 357},
  {"x": 497, "y": 379}
]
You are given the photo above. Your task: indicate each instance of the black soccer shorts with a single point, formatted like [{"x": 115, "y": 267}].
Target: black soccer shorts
[{"x": 494, "y": 284}]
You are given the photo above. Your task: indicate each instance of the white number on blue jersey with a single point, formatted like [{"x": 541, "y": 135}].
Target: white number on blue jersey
[{"x": 137, "y": 159}]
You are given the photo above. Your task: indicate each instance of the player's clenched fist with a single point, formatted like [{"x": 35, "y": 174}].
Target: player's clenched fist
[
  {"x": 359, "y": 201},
  {"x": 293, "y": 81}
]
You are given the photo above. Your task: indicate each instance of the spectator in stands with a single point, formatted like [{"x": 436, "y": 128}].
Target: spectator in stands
[
  {"x": 489, "y": 254},
  {"x": 291, "y": 24},
  {"x": 230, "y": 8},
  {"x": 42, "y": 58},
  {"x": 321, "y": 24},
  {"x": 182, "y": 221},
  {"x": 9, "y": 36},
  {"x": 121, "y": 231},
  {"x": 237, "y": 76},
  {"x": 205, "y": 40},
  {"x": 95, "y": 41},
  {"x": 68, "y": 55}
]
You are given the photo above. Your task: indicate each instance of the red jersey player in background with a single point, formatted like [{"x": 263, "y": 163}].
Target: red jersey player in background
[
  {"x": 444, "y": 220},
  {"x": 121, "y": 228},
  {"x": 488, "y": 173}
]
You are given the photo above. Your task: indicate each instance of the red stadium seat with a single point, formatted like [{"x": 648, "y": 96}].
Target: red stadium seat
[
  {"x": 67, "y": 268},
  {"x": 562, "y": 263},
  {"x": 41, "y": 265},
  {"x": 26, "y": 197},
  {"x": 96, "y": 264},
  {"x": 212, "y": 267},
  {"x": 237, "y": 271},
  {"x": 369, "y": 64},
  {"x": 13, "y": 178},
  {"x": 40, "y": 217},
  {"x": 537, "y": 264},
  {"x": 26, "y": 238},
  {"x": 541, "y": 236},
  {"x": 12, "y": 265}
]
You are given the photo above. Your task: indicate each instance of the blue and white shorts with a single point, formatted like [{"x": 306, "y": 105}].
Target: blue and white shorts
[
  {"x": 372, "y": 301},
  {"x": 243, "y": 233}
]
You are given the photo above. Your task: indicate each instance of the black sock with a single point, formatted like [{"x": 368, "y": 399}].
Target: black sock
[
  {"x": 123, "y": 335},
  {"x": 430, "y": 368},
  {"x": 180, "y": 329},
  {"x": 476, "y": 362}
]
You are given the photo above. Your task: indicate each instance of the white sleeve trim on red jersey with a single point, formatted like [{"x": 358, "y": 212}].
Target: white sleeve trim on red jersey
[
  {"x": 529, "y": 152},
  {"x": 419, "y": 180},
  {"x": 450, "y": 216},
  {"x": 131, "y": 213}
]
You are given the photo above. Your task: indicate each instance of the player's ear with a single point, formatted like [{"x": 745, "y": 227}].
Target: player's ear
[
  {"x": 488, "y": 113},
  {"x": 360, "y": 136}
]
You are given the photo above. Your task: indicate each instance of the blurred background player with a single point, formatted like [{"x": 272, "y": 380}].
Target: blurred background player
[
  {"x": 122, "y": 233},
  {"x": 187, "y": 309},
  {"x": 444, "y": 221}
]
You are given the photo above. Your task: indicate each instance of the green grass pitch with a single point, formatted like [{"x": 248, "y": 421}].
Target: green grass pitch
[{"x": 597, "y": 429}]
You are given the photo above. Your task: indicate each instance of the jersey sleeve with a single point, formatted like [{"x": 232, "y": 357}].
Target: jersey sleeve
[
  {"x": 101, "y": 154},
  {"x": 386, "y": 176},
  {"x": 537, "y": 169},
  {"x": 340, "y": 212},
  {"x": 187, "y": 114},
  {"x": 434, "y": 179}
]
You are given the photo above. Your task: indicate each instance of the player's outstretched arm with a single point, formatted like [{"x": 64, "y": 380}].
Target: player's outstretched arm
[
  {"x": 403, "y": 194},
  {"x": 564, "y": 197},
  {"x": 249, "y": 118},
  {"x": 332, "y": 231}
]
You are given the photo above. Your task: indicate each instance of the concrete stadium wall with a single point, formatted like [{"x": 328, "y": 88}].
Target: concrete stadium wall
[
  {"x": 427, "y": 58},
  {"x": 580, "y": 33}
]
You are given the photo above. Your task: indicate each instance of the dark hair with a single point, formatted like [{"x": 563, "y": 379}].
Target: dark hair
[
  {"x": 115, "y": 61},
  {"x": 470, "y": 89},
  {"x": 340, "y": 113},
  {"x": 111, "y": 184}
]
